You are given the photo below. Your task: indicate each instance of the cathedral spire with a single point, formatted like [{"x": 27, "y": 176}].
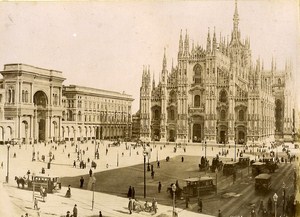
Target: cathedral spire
[
  {"x": 214, "y": 41},
  {"x": 186, "y": 44},
  {"x": 164, "y": 60},
  {"x": 272, "y": 64},
  {"x": 235, "y": 18},
  {"x": 208, "y": 43},
  {"x": 235, "y": 36},
  {"x": 180, "y": 52},
  {"x": 153, "y": 82}
]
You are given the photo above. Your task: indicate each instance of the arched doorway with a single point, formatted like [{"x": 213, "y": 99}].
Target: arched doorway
[
  {"x": 156, "y": 135},
  {"x": 241, "y": 137},
  {"x": 55, "y": 131},
  {"x": 172, "y": 135},
  {"x": 222, "y": 136},
  {"x": 40, "y": 101},
  {"x": 24, "y": 132},
  {"x": 197, "y": 133}
]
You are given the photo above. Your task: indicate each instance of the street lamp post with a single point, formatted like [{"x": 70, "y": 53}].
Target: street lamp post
[
  {"x": 216, "y": 171},
  {"x": 118, "y": 159},
  {"x": 234, "y": 150},
  {"x": 93, "y": 195},
  {"x": 253, "y": 148},
  {"x": 144, "y": 153},
  {"x": 205, "y": 147},
  {"x": 174, "y": 190},
  {"x": 283, "y": 196},
  {"x": 235, "y": 144},
  {"x": 95, "y": 143},
  {"x": 275, "y": 197},
  {"x": 7, "y": 176}
]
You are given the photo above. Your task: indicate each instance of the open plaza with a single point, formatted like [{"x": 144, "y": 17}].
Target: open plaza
[{"x": 121, "y": 166}]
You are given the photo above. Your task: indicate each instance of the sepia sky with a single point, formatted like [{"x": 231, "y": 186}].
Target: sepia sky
[{"x": 105, "y": 44}]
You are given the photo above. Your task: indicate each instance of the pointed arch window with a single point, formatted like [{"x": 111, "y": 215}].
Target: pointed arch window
[
  {"x": 197, "y": 101},
  {"x": 223, "y": 96},
  {"x": 23, "y": 95},
  {"x": 241, "y": 115},
  {"x": 198, "y": 74},
  {"x": 172, "y": 114},
  {"x": 26, "y": 96}
]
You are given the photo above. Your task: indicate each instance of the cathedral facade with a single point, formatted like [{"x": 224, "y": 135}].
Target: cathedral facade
[{"x": 218, "y": 94}]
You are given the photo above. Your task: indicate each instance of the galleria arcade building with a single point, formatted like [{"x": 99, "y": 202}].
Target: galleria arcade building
[{"x": 36, "y": 106}]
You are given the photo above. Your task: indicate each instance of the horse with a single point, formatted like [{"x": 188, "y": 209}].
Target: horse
[{"x": 19, "y": 181}]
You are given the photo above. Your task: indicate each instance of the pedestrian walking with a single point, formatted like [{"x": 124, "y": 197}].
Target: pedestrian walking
[
  {"x": 74, "y": 163},
  {"x": 219, "y": 213},
  {"x": 130, "y": 206},
  {"x": 152, "y": 174},
  {"x": 158, "y": 164},
  {"x": 68, "y": 214},
  {"x": 261, "y": 206},
  {"x": 154, "y": 205},
  {"x": 199, "y": 204},
  {"x": 129, "y": 193},
  {"x": 68, "y": 193},
  {"x": 187, "y": 200},
  {"x": 182, "y": 159},
  {"x": 91, "y": 172},
  {"x": 75, "y": 211},
  {"x": 81, "y": 182},
  {"x": 35, "y": 204},
  {"x": 159, "y": 187},
  {"x": 100, "y": 214}
]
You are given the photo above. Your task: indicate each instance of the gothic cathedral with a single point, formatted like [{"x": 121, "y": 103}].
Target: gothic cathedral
[{"x": 218, "y": 95}]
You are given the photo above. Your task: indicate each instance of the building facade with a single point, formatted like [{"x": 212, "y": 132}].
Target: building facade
[
  {"x": 92, "y": 113},
  {"x": 218, "y": 94},
  {"x": 36, "y": 106}
]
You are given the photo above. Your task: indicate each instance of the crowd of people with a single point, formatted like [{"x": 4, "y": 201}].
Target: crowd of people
[{"x": 83, "y": 157}]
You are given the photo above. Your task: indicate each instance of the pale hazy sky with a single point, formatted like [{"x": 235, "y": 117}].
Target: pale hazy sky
[{"x": 105, "y": 44}]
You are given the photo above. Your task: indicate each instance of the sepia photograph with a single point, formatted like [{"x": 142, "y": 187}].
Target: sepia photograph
[{"x": 163, "y": 108}]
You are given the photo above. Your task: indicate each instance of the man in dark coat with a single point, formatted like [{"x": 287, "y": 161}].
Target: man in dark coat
[
  {"x": 199, "y": 204},
  {"x": 159, "y": 187},
  {"x": 129, "y": 194},
  {"x": 81, "y": 182},
  {"x": 75, "y": 211}
]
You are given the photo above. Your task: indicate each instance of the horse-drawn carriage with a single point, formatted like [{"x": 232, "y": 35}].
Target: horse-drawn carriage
[
  {"x": 94, "y": 164},
  {"x": 243, "y": 162},
  {"x": 204, "y": 164},
  {"x": 270, "y": 164},
  {"x": 216, "y": 164},
  {"x": 21, "y": 181}
]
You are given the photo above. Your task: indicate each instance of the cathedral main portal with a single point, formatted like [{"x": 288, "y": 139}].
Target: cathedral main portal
[{"x": 197, "y": 136}]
